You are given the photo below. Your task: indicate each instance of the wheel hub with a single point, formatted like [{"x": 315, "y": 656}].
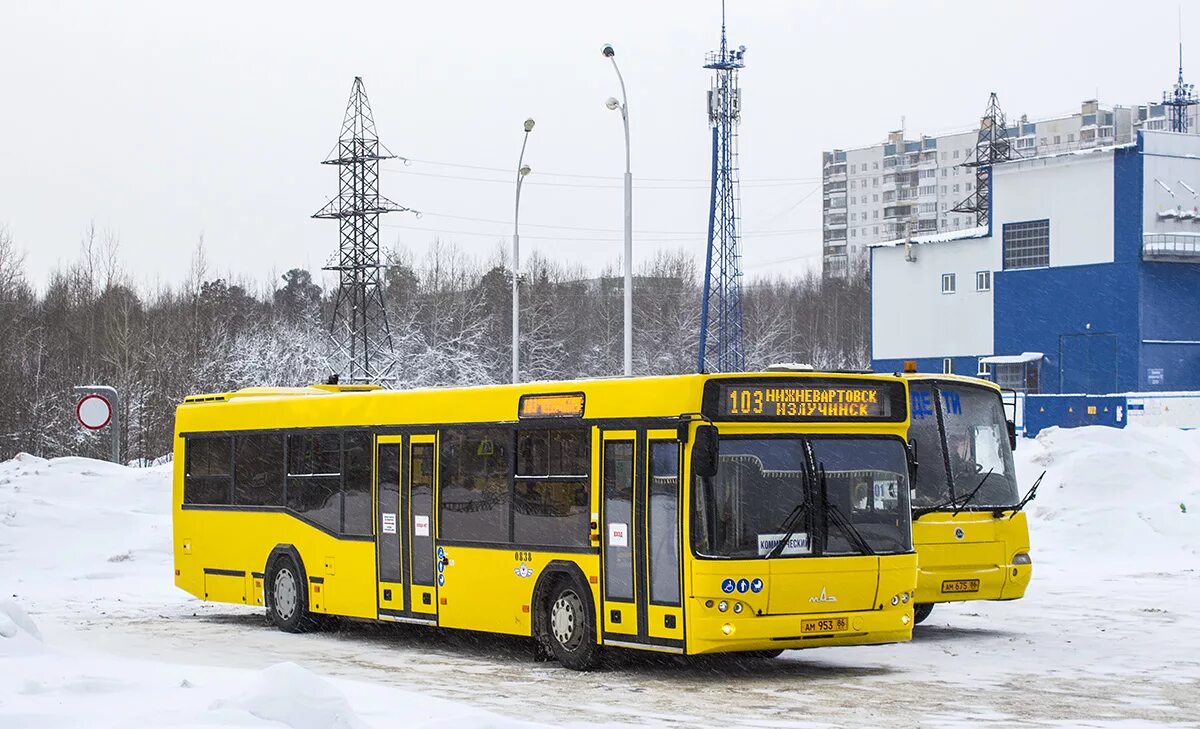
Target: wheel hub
[
  {"x": 565, "y": 619},
  {"x": 284, "y": 594}
]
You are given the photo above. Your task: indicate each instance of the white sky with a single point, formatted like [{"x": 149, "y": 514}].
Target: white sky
[{"x": 161, "y": 122}]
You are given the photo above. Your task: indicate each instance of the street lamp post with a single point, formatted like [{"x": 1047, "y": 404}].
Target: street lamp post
[
  {"x": 623, "y": 105},
  {"x": 522, "y": 170}
]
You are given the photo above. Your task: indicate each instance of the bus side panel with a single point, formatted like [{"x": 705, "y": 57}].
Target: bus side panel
[
  {"x": 240, "y": 542},
  {"x": 486, "y": 589}
]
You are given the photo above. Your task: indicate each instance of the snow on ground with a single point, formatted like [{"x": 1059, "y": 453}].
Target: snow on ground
[{"x": 92, "y": 629}]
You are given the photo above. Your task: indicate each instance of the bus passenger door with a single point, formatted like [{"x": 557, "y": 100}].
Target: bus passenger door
[
  {"x": 640, "y": 599},
  {"x": 389, "y": 554},
  {"x": 404, "y": 538},
  {"x": 419, "y": 487}
]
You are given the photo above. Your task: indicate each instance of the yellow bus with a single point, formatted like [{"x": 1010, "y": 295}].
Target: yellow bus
[
  {"x": 971, "y": 536},
  {"x": 689, "y": 514}
]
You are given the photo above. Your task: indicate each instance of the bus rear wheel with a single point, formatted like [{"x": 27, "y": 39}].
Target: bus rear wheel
[
  {"x": 287, "y": 598},
  {"x": 568, "y": 625},
  {"x": 921, "y": 611}
]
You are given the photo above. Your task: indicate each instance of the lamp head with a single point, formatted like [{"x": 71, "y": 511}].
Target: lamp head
[
  {"x": 612, "y": 103},
  {"x": 528, "y": 125},
  {"x": 524, "y": 170},
  {"x": 608, "y": 51}
]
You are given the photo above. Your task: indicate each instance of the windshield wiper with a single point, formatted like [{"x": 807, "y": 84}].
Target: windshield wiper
[
  {"x": 789, "y": 526},
  {"x": 1029, "y": 496},
  {"x": 971, "y": 495},
  {"x": 852, "y": 534},
  {"x": 923, "y": 510}
]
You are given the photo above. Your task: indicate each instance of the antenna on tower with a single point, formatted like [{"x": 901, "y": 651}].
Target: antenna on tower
[
  {"x": 359, "y": 326},
  {"x": 991, "y": 146},
  {"x": 1179, "y": 98},
  {"x": 721, "y": 307}
]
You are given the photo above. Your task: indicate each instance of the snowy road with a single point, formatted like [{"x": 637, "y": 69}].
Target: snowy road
[{"x": 1109, "y": 634}]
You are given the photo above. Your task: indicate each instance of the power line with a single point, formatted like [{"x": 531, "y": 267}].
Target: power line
[
  {"x": 588, "y": 185},
  {"x": 601, "y": 230},
  {"x": 678, "y": 238},
  {"x": 700, "y": 181}
]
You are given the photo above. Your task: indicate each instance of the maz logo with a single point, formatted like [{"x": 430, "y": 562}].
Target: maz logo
[
  {"x": 523, "y": 571},
  {"x": 823, "y": 597}
]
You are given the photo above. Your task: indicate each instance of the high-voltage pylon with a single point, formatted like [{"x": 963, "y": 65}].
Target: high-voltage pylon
[
  {"x": 721, "y": 308},
  {"x": 1179, "y": 99},
  {"x": 991, "y": 146},
  {"x": 359, "y": 326}
]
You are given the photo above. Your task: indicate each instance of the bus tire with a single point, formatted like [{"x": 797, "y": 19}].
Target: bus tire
[
  {"x": 569, "y": 624},
  {"x": 921, "y": 611},
  {"x": 287, "y": 598}
]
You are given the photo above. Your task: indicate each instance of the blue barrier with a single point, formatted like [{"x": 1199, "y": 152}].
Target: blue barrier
[{"x": 1073, "y": 411}]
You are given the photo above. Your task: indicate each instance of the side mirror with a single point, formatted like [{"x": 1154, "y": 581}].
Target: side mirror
[
  {"x": 1012, "y": 434},
  {"x": 912, "y": 455},
  {"x": 706, "y": 451}
]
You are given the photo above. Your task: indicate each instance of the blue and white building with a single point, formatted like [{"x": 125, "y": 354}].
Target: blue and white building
[{"x": 1085, "y": 280}]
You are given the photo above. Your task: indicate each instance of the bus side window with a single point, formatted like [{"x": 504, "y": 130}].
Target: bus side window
[
  {"x": 258, "y": 470},
  {"x": 550, "y": 491},
  {"x": 207, "y": 479},
  {"x": 314, "y": 478},
  {"x": 473, "y": 496}
]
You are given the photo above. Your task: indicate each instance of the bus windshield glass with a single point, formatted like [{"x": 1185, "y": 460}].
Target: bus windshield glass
[
  {"x": 974, "y": 454},
  {"x": 767, "y": 489}
]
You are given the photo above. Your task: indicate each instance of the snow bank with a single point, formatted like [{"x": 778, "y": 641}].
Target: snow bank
[
  {"x": 18, "y": 634},
  {"x": 1124, "y": 499},
  {"x": 297, "y": 698}
]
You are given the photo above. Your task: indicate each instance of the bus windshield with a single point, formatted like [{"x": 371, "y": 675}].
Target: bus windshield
[
  {"x": 973, "y": 454},
  {"x": 767, "y": 489}
]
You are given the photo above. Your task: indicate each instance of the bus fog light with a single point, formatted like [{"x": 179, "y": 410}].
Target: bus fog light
[
  {"x": 727, "y": 629},
  {"x": 708, "y": 603},
  {"x": 895, "y": 600},
  {"x": 722, "y": 606},
  {"x": 904, "y": 619},
  {"x": 1022, "y": 558},
  {"x": 737, "y": 607}
]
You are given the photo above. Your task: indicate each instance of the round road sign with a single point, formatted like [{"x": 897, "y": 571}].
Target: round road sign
[{"x": 93, "y": 411}]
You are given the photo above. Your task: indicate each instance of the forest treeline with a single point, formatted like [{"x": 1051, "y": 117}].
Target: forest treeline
[{"x": 450, "y": 317}]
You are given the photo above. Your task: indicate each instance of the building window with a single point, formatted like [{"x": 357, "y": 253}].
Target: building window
[
  {"x": 875, "y": 197},
  {"x": 854, "y": 232},
  {"x": 1071, "y": 137},
  {"x": 943, "y": 189},
  {"x": 956, "y": 154},
  {"x": 947, "y": 366},
  {"x": 1027, "y": 244},
  {"x": 1057, "y": 139},
  {"x": 877, "y": 227},
  {"x": 983, "y": 280},
  {"x": 945, "y": 170},
  {"x": 876, "y": 167},
  {"x": 948, "y": 283},
  {"x": 956, "y": 188}
]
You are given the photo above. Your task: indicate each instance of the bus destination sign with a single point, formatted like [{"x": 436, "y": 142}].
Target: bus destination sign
[{"x": 820, "y": 400}]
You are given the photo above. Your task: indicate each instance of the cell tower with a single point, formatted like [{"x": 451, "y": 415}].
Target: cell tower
[
  {"x": 991, "y": 147},
  {"x": 721, "y": 308},
  {"x": 1179, "y": 99},
  {"x": 359, "y": 326}
]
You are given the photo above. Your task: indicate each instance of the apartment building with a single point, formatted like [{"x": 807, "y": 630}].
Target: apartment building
[{"x": 902, "y": 186}]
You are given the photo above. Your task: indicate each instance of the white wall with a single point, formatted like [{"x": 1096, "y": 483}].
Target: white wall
[
  {"x": 1075, "y": 191},
  {"x": 1166, "y": 160},
  {"x": 910, "y": 317}
]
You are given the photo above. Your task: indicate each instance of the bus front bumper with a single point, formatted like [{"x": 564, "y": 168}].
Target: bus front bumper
[
  {"x": 959, "y": 584},
  {"x": 728, "y": 633}
]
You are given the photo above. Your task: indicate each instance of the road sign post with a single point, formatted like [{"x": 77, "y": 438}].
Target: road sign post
[{"x": 99, "y": 407}]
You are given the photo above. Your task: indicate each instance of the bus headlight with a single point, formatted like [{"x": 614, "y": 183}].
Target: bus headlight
[
  {"x": 904, "y": 597},
  {"x": 895, "y": 600},
  {"x": 737, "y": 607},
  {"x": 1022, "y": 558},
  {"x": 722, "y": 606}
]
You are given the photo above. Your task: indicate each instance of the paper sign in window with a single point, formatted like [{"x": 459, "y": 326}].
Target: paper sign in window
[
  {"x": 618, "y": 534},
  {"x": 421, "y": 525}
]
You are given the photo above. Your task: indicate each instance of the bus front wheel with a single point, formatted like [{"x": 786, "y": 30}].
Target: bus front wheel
[
  {"x": 288, "y": 598},
  {"x": 921, "y": 611},
  {"x": 568, "y": 625}
]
